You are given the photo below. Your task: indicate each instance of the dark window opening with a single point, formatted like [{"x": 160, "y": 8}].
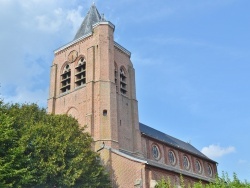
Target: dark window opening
[
  {"x": 105, "y": 112},
  {"x": 198, "y": 166},
  {"x": 65, "y": 79},
  {"x": 116, "y": 78},
  {"x": 80, "y": 75},
  {"x": 123, "y": 83}
]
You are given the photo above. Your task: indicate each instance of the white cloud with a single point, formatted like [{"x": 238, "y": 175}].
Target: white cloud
[
  {"x": 75, "y": 18},
  {"x": 50, "y": 23},
  {"x": 33, "y": 29},
  {"x": 58, "y": 19},
  {"x": 25, "y": 95},
  {"x": 215, "y": 151}
]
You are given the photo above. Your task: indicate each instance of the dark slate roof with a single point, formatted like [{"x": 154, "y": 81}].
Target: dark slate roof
[
  {"x": 153, "y": 133},
  {"x": 90, "y": 19}
]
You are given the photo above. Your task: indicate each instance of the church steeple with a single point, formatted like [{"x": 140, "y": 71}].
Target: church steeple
[
  {"x": 91, "y": 18},
  {"x": 93, "y": 80}
]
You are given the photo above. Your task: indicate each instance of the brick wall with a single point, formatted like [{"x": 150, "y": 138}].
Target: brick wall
[{"x": 127, "y": 173}]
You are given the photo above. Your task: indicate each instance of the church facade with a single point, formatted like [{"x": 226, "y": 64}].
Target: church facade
[{"x": 93, "y": 79}]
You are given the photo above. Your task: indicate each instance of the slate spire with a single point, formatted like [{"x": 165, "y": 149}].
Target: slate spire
[{"x": 91, "y": 18}]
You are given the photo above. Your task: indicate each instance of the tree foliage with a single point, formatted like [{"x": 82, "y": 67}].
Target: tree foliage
[
  {"x": 220, "y": 182},
  {"x": 42, "y": 150}
]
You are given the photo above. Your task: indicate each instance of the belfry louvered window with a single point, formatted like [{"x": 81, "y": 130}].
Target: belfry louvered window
[
  {"x": 80, "y": 72},
  {"x": 65, "y": 79},
  {"x": 116, "y": 77},
  {"x": 123, "y": 81}
]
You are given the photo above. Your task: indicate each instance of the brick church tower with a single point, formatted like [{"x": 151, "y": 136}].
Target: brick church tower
[{"x": 93, "y": 80}]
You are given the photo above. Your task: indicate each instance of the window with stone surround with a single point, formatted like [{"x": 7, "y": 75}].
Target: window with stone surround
[
  {"x": 209, "y": 170},
  {"x": 123, "y": 81},
  {"x": 198, "y": 166},
  {"x": 171, "y": 157},
  {"x": 155, "y": 152},
  {"x": 186, "y": 163},
  {"x": 65, "y": 79},
  {"x": 80, "y": 72}
]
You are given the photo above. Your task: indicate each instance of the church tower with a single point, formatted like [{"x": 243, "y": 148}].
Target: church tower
[{"x": 93, "y": 80}]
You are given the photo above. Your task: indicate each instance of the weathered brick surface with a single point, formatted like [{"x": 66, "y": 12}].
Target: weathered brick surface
[
  {"x": 111, "y": 117},
  {"x": 126, "y": 173}
]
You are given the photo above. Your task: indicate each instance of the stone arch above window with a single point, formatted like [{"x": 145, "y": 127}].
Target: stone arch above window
[
  {"x": 80, "y": 72},
  {"x": 65, "y": 78},
  {"x": 123, "y": 81}
]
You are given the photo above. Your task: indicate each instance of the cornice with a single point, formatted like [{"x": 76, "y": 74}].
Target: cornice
[
  {"x": 72, "y": 42},
  {"x": 122, "y": 49}
]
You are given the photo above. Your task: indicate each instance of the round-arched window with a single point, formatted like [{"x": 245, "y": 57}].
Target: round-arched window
[
  {"x": 209, "y": 170},
  {"x": 186, "y": 163},
  {"x": 65, "y": 79},
  {"x": 155, "y": 152},
  {"x": 171, "y": 157},
  {"x": 198, "y": 166},
  {"x": 80, "y": 72}
]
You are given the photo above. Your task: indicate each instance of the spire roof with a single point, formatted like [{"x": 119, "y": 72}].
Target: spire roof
[{"x": 91, "y": 18}]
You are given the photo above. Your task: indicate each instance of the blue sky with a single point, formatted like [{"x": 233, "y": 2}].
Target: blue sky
[{"x": 191, "y": 60}]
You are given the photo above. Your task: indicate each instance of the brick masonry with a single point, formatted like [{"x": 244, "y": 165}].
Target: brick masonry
[{"x": 111, "y": 116}]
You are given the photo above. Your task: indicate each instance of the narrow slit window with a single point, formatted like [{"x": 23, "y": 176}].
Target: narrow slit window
[
  {"x": 65, "y": 79},
  {"x": 80, "y": 72},
  {"x": 123, "y": 82},
  {"x": 105, "y": 112}
]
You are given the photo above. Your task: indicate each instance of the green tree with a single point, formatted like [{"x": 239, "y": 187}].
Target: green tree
[
  {"x": 42, "y": 150},
  {"x": 220, "y": 182},
  {"x": 163, "y": 183}
]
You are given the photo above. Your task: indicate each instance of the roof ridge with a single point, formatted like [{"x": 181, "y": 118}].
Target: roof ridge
[{"x": 175, "y": 142}]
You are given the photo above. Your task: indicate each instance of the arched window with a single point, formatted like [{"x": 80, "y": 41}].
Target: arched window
[
  {"x": 171, "y": 157},
  {"x": 209, "y": 170},
  {"x": 80, "y": 73},
  {"x": 123, "y": 81},
  {"x": 116, "y": 77},
  {"x": 186, "y": 163},
  {"x": 198, "y": 166},
  {"x": 65, "y": 79},
  {"x": 155, "y": 152}
]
